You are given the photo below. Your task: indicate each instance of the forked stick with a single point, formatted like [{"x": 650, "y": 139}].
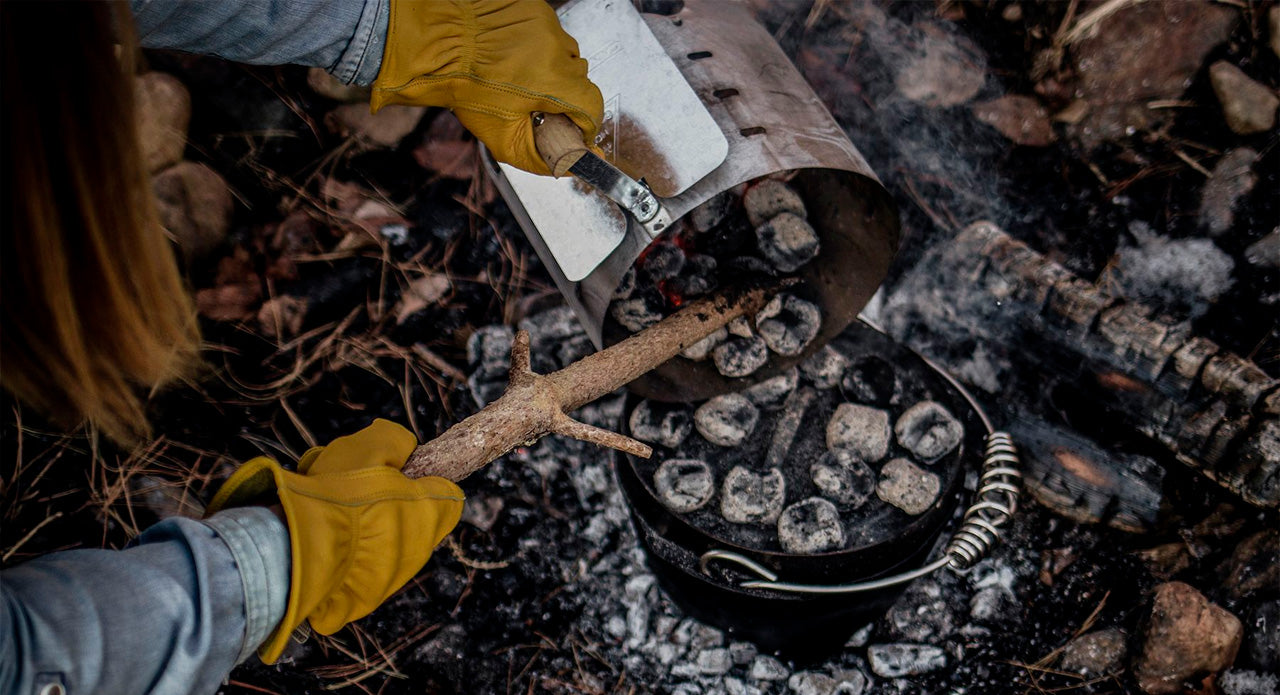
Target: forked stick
[{"x": 536, "y": 405}]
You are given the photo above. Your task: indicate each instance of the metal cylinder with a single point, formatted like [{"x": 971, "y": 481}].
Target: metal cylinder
[{"x": 774, "y": 123}]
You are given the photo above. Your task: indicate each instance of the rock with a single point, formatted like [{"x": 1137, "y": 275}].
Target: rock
[
  {"x": 702, "y": 349},
  {"x": 767, "y": 668},
  {"x": 726, "y": 420},
  {"x": 787, "y": 324},
  {"x": 922, "y": 614},
  {"x": 1185, "y": 635},
  {"x": 684, "y": 485},
  {"x": 1180, "y": 277},
  {"x": 1265, "y": 252},
  {"x": 1232, "y": 179},
  {"x": 767, "y": 199},
  {"x": 898, "y": 660},
  {"x": 810, "y": 527},
  {"x": 1248, "y": 106},
  {"x": 861, "y": 430},
  {"x": 772, "y": 393},
  {"x": 747, "y": 498},
  {"x": 908, "y": 486},
  {"x": 282, "y": 316},
  {"x": 811, "y": 683},
  {"x": 942, "y": 70},
  {"x": 928, "y": 430},
  {"x": 330, "y": 87},
  {"x": 666, "y": 424},
  {"x": 843, "y": 478},
  {"x": 787, "y": 241},
  {"x": 742, "y": 653},
  {"x": 195, "y": 205},
  {"x": 1095, "y": 654},
  {"x": 1141, "y": 53},
  {"x": 163, "y": 113},
  {"x": 1022, "y": 119},
  {"x": 385, "y": 128},
  {"x": 738, "y": 357},
  {"x": 825, "y": 367},
  {"x": 714, "y": 662}
]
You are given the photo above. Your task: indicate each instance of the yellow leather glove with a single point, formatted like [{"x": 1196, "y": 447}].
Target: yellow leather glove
[
  {"x": 494, "y": 62},
  {"x": 358, "y": 528}
]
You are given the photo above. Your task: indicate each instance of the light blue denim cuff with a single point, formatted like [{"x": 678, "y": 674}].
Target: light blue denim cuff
[
  {"x": 362, "y": 59},
  {"x": 259, "y": 544}
]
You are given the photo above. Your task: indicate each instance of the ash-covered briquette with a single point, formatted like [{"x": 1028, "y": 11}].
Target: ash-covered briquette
[
  {"x": 684, "y": 485},
  {"x": 662, "y": 261},
  {"x": 768, "y": 198},
  {"x": 844, "y": 478},
  {"x": 908, "y": 486},
  {"x": 738, "y": 356},
  {"x": 810, "y": 526},
  {"x": 626, "y": 286},
  {"x": 747, "y": 498},
  {"x": 665, "y": 424},
  {"x": 787, "y": 241},
  {"x": 771, "y": 393},
  {"x": 861, "y": 430},
  {"x": 870, "y": 380},
  {"x": 928, "y": 430},
  {"x": 711, "y": 213},
  {"x": 637, "y": 313},
  {"x": 701, "y": 350},
  {"x": 726, "y": 420},
  {"x": 696, "y": 278},
  {"x": 825, "y": 367},
  {"x": 788, "y": 324}
]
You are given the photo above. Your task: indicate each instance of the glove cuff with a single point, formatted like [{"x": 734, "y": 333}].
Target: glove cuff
[{"x": 257, "y": 481}]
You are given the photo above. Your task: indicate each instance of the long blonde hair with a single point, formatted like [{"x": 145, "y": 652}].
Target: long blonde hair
[{"x": 93, "y": 308}]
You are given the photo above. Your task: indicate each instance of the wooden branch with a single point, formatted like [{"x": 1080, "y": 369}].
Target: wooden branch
[{"x": 536, "y": 405}]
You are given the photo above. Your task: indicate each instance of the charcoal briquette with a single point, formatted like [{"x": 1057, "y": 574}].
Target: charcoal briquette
[
  {"x": 626, "y": 285},
  {"x": 861, "y": 430},
  {"x": 825, "y": 367},
  {"x": 788, "y": 324},
  {"x": 771, "y": 393},
  {"x": 928, "y": 430},
  {"x": 726, "y": 420},
  {"x": 702, "y": 349},
  {"x": 711, "y": 213},
  {"x": 662, "y": 261},
  {"x": 870, "y": 380},
  {"x": 787, "y": 241},
  {"x": 637, "y": 313},
  {"x": 908, "y": 486},
  {"x": 810, "y": 526},
  {"x": 748, "y": 498},
  {"x": 665, "y": 424},
  {"x": 769, "y": 198},
  {"x": 738, "y": 357},
  {"x": 843, "y": 478},
  {"x": 684, "y": 485}
]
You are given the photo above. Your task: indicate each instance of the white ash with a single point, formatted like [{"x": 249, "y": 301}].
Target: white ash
[
  {"x": 684, "y": 485},
  {"x": 738, "y": 357},
  {"x": 1182, "y": 277},
  {"x": 928, "y": 430},
  {"x": 660, "y": 423},
  {"x": 712, "y": 212},
  {"x": 871, "y": 380},
  {"x": 787, "y": 241},
  {"x": 768, "y": 668},
  {"x": 700, "y": 350},
  {"x": 768, "y": 198},
  {"x": 924, "y": 613},
  {"x": 788, "y": 324},
  {"x": 810, "y": 526},
  {"x": 1242, "y": 682},
  {"x": 662, "y": 261},
  {"x": 825, "y": 367},
  {"x": 908, "y": 486},
  {"x": 726, "y": 420},
  {"x": 898, "y": 660},
  {"x": 772, "y": 393},
  {"x": 635, "y": 314},
  {"x": 843, "y": 478},
  {"x": 714, "y": 662},
  {"x": 626, "y": 285},
  {"x": 747, "y": 498},
  {"x": 860, "y": 430}
]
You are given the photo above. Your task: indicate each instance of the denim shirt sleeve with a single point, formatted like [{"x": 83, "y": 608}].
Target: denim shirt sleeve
[
  {"x": 173, "y": 613},
  {"x": 344, "y": 37}
]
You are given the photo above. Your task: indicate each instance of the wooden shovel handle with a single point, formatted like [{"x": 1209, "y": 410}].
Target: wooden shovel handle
[{"x": 559, "y": 141}]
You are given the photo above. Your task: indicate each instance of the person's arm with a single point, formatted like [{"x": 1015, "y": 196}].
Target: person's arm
[
  {"x": 174, "y": 613},
  {"x": 345, "y": 37}
]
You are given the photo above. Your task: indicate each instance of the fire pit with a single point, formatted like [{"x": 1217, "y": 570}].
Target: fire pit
[{"x": 811, "y": 481}]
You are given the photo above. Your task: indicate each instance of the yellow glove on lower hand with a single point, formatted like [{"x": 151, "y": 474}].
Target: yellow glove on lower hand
[
  {"x": 494, "y": 62},
  {"x": 358, "y": 528}
]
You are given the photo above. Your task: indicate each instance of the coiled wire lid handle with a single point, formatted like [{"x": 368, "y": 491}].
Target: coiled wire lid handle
[{"x": 994, "y": 504}]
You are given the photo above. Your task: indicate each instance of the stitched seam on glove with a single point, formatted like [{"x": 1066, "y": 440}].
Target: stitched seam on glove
[{"x": 502, "y": 87}]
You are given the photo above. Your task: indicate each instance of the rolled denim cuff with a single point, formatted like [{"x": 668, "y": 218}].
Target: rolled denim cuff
[
  {"x": 259, "y": 544},
  {"x": 362, "y": 58}
]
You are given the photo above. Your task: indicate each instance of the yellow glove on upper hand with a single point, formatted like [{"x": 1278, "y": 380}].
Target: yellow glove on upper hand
[
  {"x": 358, "y": 528},
  {"x": 494, "y": 62}
]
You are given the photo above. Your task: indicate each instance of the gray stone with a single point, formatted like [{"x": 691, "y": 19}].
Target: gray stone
[
  {"x": 1248, "y": 106},
  {"x": 772, "y": 393},
  {"x": 898, "y": 660},
  {"x": 1265, "y": 252},
  {"x": 684, "y": 485},
  {"x": 738, "y": 357},
  {"x": 768, "y": 198},
  {"x": 787, "y": 241},
  {"x": 714, "y": 662},
  {"x": 1094, "y": 654},
  {"x": 908, "y": 486},
  {"x": 825, "y": 367},
  {"x": 811, "y": 683},
  {"x": 768, "y": 668},
  {"x": 810, "y": 526},
  {"x": 660, "y": 423},
  {"x": 928, "y": 430},
  {"x": 726, "y": 420},
  {"x": 788, "y": 324},
  {"x": 861, "y": 430},
  {"x": 700, "y": 350},
  {"x": 843, "y": 478},
  {"x": 1232, "y": 179},
  {"x": 742, "y": 653},
  {"x": 747, "y": 498}
]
